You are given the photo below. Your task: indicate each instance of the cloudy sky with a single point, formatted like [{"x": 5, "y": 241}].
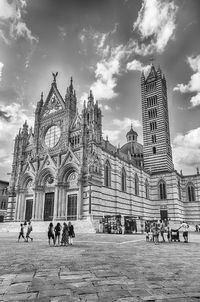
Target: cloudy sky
[{"x": 104, "y": 45}]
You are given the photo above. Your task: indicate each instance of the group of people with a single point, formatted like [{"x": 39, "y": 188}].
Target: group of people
[
  {"x": 154, "y": 229},
  {"x": 25, "y": 229},
  {"x": 54, "y": 233},
  {"x": 65, "y": 233}
]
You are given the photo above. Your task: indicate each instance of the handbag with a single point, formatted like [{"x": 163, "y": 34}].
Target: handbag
[{"x": 73, "y": 235}]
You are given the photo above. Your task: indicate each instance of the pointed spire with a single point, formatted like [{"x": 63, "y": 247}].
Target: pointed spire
[
  {"x": 25, "y": 128},
  {"x": 90, "y": 98},
  {"x": 41, "y": 96},
  {"x": 71, "y": 86}
]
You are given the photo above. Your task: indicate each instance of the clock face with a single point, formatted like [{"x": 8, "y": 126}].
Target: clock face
[{"x": 52, "y": 136}]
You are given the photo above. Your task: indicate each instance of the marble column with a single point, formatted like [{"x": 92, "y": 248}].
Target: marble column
[
  {"x": 55, "y": 212},
  {"x": 63, "y": 199},
  {"x": 17, "y": 207},
  {"x": 34, "y": 204}
]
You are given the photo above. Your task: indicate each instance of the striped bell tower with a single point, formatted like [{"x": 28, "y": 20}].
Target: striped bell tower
[{"x": 156, "y": 136}]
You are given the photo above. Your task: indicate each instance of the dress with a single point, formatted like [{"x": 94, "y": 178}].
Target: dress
[
  {"x": 65, "y": 235},
  {"x": 71, "y": 230}
]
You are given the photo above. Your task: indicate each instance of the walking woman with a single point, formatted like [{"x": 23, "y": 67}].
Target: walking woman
[
  {"x": 65, "y": 235},
  {"x": 71, "y": 233},
  {"x": 21, "y": 232},
  {"x": 51, "y": 233},
  {"x": 57, "y": 230}
]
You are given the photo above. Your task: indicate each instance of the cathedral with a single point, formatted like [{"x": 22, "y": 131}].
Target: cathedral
[{"x": 63, "y": 169}]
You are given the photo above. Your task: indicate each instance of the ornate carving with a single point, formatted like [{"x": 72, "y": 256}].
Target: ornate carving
[{"x": 53, "y": 105}]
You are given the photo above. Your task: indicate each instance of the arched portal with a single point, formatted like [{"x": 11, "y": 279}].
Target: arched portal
[
  {"x": 45, "y": 195},
  {"x": 69, "y": 192}
]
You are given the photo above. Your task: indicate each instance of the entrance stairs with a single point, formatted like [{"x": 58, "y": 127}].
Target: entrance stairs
[{"x": 80, "y": 226}]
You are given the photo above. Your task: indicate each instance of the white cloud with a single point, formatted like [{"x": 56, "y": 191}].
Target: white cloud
[
  {"x": 7, "y": 10},
  {"x": 1, "y": 68},
  {"x": 194, "y": 82},
  {"x": 120, "y": 126},
  {"x": 126, "y": 123},
  {"x": 186, "y": 149},
  {"x": 113, "y": 135},
  {"x": 155, "y": 21},
  {"x": 105, "y": 73},
  {"x": 137, "y": 65},
  {"x": 11, "y": 17},
  {"x": 12, "y": 117},
  {"x": 62, "y": 32},
  {"x": 107, "y": 108}
]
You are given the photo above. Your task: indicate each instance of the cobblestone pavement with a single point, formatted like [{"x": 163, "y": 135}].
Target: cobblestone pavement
[{"x": 99, "y": 267}]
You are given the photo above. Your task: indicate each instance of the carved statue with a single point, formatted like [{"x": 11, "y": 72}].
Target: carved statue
[{"x": 54, "y": 76}]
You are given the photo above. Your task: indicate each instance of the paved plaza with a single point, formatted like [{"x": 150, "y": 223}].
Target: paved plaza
[{"x": 99, "y": 267}]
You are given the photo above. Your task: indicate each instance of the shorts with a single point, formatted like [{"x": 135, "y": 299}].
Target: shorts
[
  {"x": 51, "y": 235},
  {"x": 185, "y": 234}
]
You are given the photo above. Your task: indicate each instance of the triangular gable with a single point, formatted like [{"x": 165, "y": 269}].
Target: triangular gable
[
  {"x": 48, "y": 162},
  {"x": 152, "y": 74},
  {"x": 29, "y": 168},
  {"x": 69, "y": 158},
  {"x": 54, "y": 102},
  {"x": 76, "y": 124}
]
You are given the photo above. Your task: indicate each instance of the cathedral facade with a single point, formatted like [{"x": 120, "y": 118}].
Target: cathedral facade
[{"x": 63, "y": 169}]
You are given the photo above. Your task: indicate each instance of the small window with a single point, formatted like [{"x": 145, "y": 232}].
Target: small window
[
  {"x": 191, "y": 192},
  {"x": 107, "y": 174},
  {"x": 147, "y": 189},
  {"x": 162, "y": 190},
  {"x": 123, "y": 180},
  {"x": 136, "y": 185},
  {"x": 179, "y": 190},
  {"x": 154, "y": 150}
]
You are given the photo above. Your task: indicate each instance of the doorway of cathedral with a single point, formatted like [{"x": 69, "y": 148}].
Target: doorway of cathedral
[
  {"x": 48, "y": 206},
  {"x": 72, "y": 207},
  {"x": 29, "y": 208},
  {"x": 164, "y": 215}
]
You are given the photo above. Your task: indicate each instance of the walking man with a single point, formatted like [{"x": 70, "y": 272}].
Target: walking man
[{"x": 29, "y": 230}]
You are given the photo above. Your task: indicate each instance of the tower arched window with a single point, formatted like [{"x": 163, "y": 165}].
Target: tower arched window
[
  {"x": 162, "y": 190},
  {"x": 107, "y": 174},
  {"x": 191, "y": 192},
  {"x": 154, "y": 150},
  {"x": 179, "y": 189},
  {"x": 147, "y": 189},
  {"x": 136, "y": 185},
  {"x": 123, "y": 180}
]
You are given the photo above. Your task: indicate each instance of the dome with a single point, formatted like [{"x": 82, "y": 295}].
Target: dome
[
  {"x": 132, "y": 148},
  {"x": 131, "y": 135},
  {"x": 131, "y": 132}
]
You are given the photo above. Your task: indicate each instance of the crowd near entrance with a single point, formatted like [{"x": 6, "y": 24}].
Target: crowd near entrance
[{"x": 118, "y": 224}]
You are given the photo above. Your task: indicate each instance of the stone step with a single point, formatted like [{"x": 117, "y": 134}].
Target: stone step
[{"x": 80, "y": 226}]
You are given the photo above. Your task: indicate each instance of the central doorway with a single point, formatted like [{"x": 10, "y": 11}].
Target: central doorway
[
  {"x": 164, "y": 215},
  {"x": 72, "y": 207},
  {"x": 29, "y": 208},
  {"x": 48, "y": 206}
]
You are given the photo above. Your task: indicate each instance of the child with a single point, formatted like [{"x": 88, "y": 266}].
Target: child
[
  {"x": 150, "y": 236},
  {"x": 21, "y": 232}
]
